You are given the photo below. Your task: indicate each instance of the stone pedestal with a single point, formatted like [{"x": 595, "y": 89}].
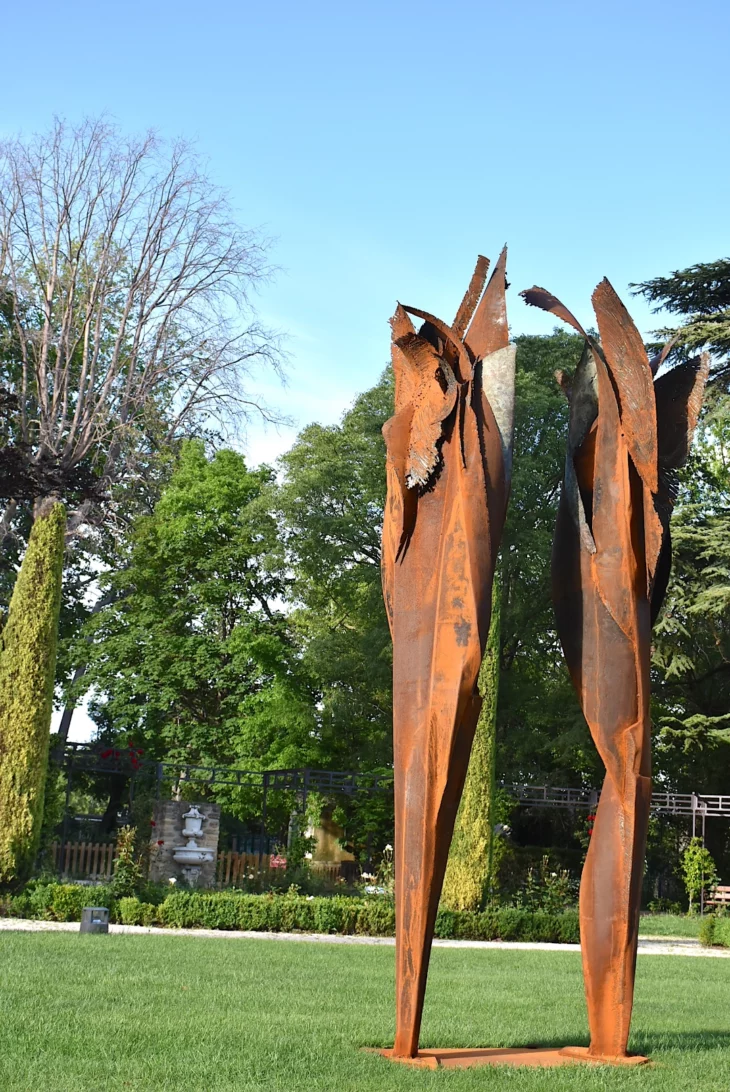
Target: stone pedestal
[{"x": 166, "y": 836}]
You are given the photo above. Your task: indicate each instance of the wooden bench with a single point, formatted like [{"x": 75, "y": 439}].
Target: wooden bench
[{"x": 719, "y": 896}]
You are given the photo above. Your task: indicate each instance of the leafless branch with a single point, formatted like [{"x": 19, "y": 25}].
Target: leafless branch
[{"x": 130, "y": 288}]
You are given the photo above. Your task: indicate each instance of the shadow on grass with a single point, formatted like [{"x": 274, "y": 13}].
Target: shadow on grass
[
  {"x": 650, "y": 1044},
  {"x": 658, "y": 1042}
]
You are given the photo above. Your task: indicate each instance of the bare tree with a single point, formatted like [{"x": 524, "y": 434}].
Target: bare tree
[{"x": 125, "y": 313}]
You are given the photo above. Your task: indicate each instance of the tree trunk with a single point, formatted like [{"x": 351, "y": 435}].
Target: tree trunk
[
  {"x": 27, "y": 676},
  {"x": 469, "y": 869},
  {"x": 64, "y": 727}
]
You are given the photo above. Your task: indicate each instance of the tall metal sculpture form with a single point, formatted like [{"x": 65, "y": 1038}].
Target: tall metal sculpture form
[
  {"x": 448, "y": 469},
  {"x": 629, "y": 431}
]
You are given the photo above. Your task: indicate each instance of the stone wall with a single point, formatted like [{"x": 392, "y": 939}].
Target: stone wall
[{"x": 166, "y": 836}]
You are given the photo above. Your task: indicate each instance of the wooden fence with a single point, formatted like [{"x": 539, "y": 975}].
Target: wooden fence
[
  {"x": 95, "y": 861},
  {"x": 234, "y": 868},
  {"x": 84, "y": 860}
]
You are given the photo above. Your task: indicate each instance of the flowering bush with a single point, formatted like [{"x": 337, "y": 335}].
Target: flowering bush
[
  {"x": 546, "y": 890},
  {"x": 127, "y": 870}
]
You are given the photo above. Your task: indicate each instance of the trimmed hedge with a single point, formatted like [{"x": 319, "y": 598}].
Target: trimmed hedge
[
  {"x": 341, "y": 914},
  {"x": 56, "y": 901},
  {"x": 715, "y": 931}
]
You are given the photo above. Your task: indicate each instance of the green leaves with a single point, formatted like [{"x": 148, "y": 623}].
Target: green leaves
[
  {"x": 27, "y": 667},
  {"x": 194, "y": 659},
  {"x": 330, "y": 505}
]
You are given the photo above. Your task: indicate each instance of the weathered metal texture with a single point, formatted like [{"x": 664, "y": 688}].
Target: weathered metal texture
[
  {"x": 628, "y": 434},
  {"x": 448, "y": 458}
]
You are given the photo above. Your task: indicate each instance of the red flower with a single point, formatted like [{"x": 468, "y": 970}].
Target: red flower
[
  {"x": 160, "y": 843},
  {"x": 153, "y": 823}
]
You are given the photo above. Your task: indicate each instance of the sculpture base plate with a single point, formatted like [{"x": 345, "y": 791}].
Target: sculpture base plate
[
  {"x": 462, "y": 1058},
  {"x": 580, "y": 1054}
]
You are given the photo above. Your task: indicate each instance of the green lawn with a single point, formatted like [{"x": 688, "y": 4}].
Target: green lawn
[
  {"x": 107, "y": 1014},
  {"x": 669, "y": 925}
]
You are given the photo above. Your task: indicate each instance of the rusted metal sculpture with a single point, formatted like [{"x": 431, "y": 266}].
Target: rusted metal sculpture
[
  {"x": 448, "y": 469},
  {"x": 629, "y": 431}
]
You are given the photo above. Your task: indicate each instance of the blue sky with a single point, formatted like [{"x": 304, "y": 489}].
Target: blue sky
[{"x": 385, "y": 144}]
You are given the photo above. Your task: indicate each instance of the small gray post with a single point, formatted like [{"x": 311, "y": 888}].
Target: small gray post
[{"x": 94, "y": 919}]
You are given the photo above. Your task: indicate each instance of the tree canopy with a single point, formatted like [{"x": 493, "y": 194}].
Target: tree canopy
[
  {"x": 193, "y": 660},
  {"x": 700, "y": 296}
]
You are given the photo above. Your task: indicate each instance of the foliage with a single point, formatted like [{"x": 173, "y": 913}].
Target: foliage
[
  {"x": 125, "y": 325},
  {"x": 691, "y": 662},
  {"x": 691, "y": 656},
  {"x": 27, "y": 668},
  {"x": 300, "y": 846},
  {"x": 331, "y": 507},
  {"x": 290, "y": 912},
  {"x": 127, "y": 877},
  {"x": 130, "y": 911},
  {"x": 541, "y": 731},
  {"x": 385, "y": 876},
  {"x": 700, "y": 294},
  {"x": 715, "y": 931},
  {"x": 547, "y": 890},
  {"x": 193, "y": 658},
  {"x": 698, "y": 871},
  {"x": 469, "y": 874},
  {"x": 57, "y": 901}
]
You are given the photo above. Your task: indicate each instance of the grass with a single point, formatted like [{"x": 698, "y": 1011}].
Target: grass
[
  {"x": 142, "y": 1013},
  {"x": 669, "y": 925}
]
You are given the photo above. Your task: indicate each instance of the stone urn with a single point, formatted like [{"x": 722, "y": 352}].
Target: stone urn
[{"x": 191, "y": 856}]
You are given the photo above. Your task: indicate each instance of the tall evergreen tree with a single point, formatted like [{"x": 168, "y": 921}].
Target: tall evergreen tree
[
  {"x": 27, "y": 671},
  {"x": 700, "y": 296},
  {"x": 469, "y": 868}
]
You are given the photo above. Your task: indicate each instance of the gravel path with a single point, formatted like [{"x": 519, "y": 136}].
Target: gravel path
[{"x": 681, "y": 946}]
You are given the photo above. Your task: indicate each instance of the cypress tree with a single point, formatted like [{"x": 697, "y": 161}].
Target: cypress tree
[
  {"x": 27, "y": 673},
  {"x": 469, "y": 868}
]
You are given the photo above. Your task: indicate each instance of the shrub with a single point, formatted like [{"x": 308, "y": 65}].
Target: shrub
[
  {"x": 292, "y": 912},
  {"x": 698, "y": 870},
  {"x": 376, "y": 918},
  {"x": 132, "y": 911},
  {"x": 547, "y": 890},
  {"x": 66, "y": 901},
  {"x": 127, "y": 878},
  {"x": 715, "y": 931},
  {"x": 664, "y": 906},
  {"x": 57, "y": 901},
  {"x": 707, "y": 931}
]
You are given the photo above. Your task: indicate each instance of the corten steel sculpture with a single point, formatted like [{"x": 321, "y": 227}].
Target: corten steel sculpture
[
  {"x": 448, "y": 469},
  {"x": 629, "y": 431}
]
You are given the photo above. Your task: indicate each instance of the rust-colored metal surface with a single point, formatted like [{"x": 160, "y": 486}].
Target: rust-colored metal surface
[
  {"x": 449, "y": 448},
  {"x": 629, "y": 431},
  {"x": 533, "y": 1057}
]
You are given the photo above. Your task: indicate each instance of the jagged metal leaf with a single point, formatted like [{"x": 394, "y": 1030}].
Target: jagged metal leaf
[
  {"x": 498, "y": 384},
  {"x": 489, "y": 329},
  {"x": 433, "y": 400},
  {"x": 679, "y": 395},
  {"x": 406, "y": 378},
  {"x": 546, "y": 301},
  {"x": 471, "y": 296},
  {"x": 625, "y": 355}
]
